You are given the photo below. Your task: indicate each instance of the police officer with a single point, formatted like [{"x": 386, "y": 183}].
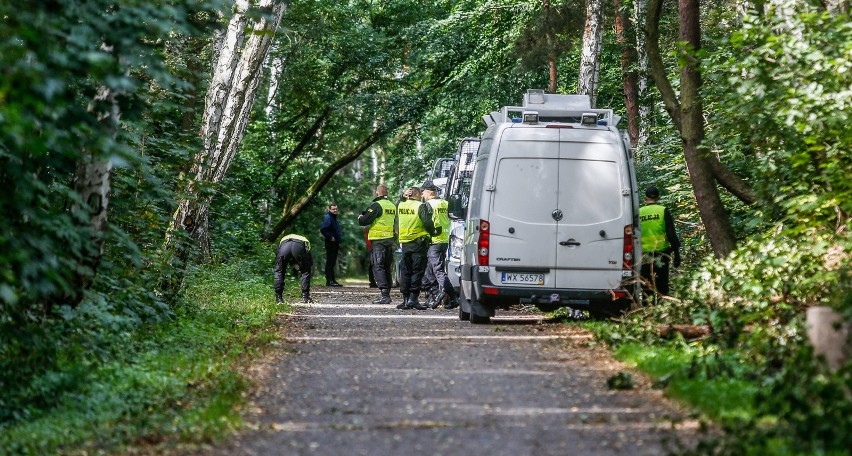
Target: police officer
[
  {"x": 659, "y": 244},
  {"x": 436, "y": 281},
  {"x": 415, "y": 229},
  {"x": 380, "y": 217},
  {"x": 293, "y": 250},
  {"x": 330, "y": 230}
]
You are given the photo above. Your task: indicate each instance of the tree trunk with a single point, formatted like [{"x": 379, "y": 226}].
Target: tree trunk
[
  {"x": 307, "y": 137},
  {"x": 688, "y": 117},
  {"x": 728, "y": 179},
  {"x": 551, "y": 58},
  {"x": 630, "y": 79},
  {"x": 551, "y": 70},
  {"x": 276, "y": 67},
  {"x": 714, "y": 215},
  {"x": 645, "y": 110},
  {"x": 590, "y": 56},
  {"x": 92, "y": 183},
  {"x": 228, "y": 103}
]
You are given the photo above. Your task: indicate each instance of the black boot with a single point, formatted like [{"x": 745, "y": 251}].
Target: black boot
[
  {"x": 306, "y": 296},
  {"x": 452, "y": 301},
  {"x": 384, "y": 298},
  {"x": 413, "y": 303},
  {"x": 404, "y": 304},
  {"x": 436, "y": 300},
  {"x": 278, "y": 298}
]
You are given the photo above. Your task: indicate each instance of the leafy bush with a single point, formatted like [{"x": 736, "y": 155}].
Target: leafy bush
[{"x": 176, "y": 380}]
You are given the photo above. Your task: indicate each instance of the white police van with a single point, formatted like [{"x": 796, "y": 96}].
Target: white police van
[{"x": 553, "y": 217}]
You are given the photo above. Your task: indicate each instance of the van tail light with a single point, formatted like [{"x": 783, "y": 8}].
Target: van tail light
[
  {"x": 491, "y": 291},
  {"x": 628, "y": 248},
  {"x": 484, "y": 242}
]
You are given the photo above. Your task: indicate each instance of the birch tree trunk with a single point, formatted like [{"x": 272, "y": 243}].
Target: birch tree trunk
[
  {"x": 276, "y": 67},
  {"x": 590, "y": 56},
  {"x": 228, "y": 103},
  {"x": 92, "y": 182},
  {"x": 645, "y": 110}
]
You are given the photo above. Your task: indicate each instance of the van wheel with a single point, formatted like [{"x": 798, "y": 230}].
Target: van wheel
[
  {"x": 476, "y": 318},
  {"x": 463, "y": 316}
]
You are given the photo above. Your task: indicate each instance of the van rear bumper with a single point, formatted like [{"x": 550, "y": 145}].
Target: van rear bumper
[{"x": 547, "y": 297}]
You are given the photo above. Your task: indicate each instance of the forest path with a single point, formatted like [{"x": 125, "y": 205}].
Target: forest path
[{"x": 353, "y": 378}]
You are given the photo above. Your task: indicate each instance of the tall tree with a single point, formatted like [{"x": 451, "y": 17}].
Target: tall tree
[
  {"x": 630, "y": 80},
  {"x": 546, "y": 37},
  {"x": 229, "y": 101},
  {"x": 92, "y": 183},
  {"x": 645, "y": 106},
  {"x": 687, "y": 115},
  {"x": 590, "y": 55}
]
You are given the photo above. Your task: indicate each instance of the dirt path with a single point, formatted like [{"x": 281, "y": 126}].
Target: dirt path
[{"x": 353, "y": 378}]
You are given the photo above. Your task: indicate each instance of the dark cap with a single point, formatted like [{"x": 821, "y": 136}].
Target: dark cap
[
  {"x": 652, "y": 192},
  {"x": 428, "y": 185}
]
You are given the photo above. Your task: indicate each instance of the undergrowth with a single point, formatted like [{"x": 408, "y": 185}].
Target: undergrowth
[
  {"x": 173, "y": 381},
  {"x": 755, "y": 376}
]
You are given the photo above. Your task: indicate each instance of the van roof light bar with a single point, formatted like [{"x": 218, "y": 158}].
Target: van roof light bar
[
  {"x": 535, "y": 96},
  {"x": 553, "y": 106}
]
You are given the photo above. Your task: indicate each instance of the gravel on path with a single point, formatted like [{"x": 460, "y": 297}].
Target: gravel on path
[{"x": 353, "y": 378}]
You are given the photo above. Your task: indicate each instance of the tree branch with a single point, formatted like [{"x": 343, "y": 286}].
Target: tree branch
[
  {"x": 730, "y": 180},
  {"x": 325, "y": 178},
  {"x": 306, "y": 139},
  {"x": 655, "y": 61}
]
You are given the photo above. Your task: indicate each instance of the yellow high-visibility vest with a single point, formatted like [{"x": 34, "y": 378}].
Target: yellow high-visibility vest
[
  {"x": 382, "y": 226},
  {"x": 441, "y": 218},
  {"x": 653, "y": 223},
  {"x": 298, "y": 238},
  {"x": 410, "y": 225}
]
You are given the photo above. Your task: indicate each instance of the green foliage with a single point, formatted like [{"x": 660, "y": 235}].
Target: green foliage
[
  {"x": 783, "y": 99},
  {"x": 54, "y": 57},
  {"x": 675, "y": 367},
  {"x": 549, "y": 33},
  {"x": 755, "y": 374},
  {"x": 172, "y": 381}
]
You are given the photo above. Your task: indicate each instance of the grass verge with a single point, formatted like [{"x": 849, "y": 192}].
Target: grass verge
[
  {"x": 671, "y": 365},
  {"x": 176, "y": 381}
]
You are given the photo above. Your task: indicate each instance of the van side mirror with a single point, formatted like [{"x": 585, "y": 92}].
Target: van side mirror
[{"x": 454, "y": 207}]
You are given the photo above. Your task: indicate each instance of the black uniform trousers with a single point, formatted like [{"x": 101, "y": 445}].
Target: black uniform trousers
[
  {"x": 655, "y": 272},
  {"x": 293, "y": 252},
  {"x": 436, "y": 270},
  {"x": 413, "y": 267},
  {"x": 331, "y": 250},
  {"x": 381, "y": 260}
]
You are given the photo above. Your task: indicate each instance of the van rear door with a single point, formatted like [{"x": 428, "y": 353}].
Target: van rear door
[
  {"x": 591, "y": 211},
  {"x": 524, "y": 194}
]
